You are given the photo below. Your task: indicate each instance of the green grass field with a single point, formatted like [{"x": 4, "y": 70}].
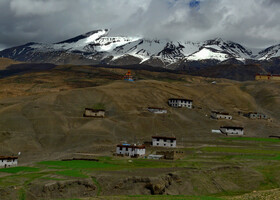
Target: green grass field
[
  {"x": 274, "y": 140},
  {"x": 259, "y": 156},
  {"x": 157, "y": 197},
  {"x": 14, "y": 170}
]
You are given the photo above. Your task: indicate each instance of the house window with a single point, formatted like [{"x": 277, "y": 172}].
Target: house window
[
  {"x": 171, "y": 145},
  {"x": 157, "y": 144},
  {"x": 120, "y": 148}
]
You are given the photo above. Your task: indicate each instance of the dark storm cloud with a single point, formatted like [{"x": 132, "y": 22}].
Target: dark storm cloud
[{"x": 253, "y": 23}]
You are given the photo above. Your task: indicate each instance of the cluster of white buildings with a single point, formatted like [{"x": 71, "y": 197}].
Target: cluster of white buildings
[
  {"x": 134, "y": 150},
  {"x": 8, "y": 161}
]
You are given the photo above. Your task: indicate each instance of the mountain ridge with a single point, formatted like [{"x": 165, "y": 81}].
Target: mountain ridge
[{"x": 97, "y": 47}]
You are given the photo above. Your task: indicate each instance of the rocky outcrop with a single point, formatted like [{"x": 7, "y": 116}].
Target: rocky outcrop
[
  {"x": 63, "y": 189},
  {"x": 147, "y": 185}
]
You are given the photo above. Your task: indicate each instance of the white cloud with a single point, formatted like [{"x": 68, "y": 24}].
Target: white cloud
[
  {"x": 252, "y": 22},
  {"x": 36, "y": 7}
]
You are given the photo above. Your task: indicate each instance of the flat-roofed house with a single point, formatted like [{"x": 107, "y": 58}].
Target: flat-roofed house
[
  {"x": 232, "y": 130},
  {"x": 256, "y": 115},
  {"x": 180, "y": 103},
  {"x": 8, "y": 161},
  {"x": 162, "y": 141},
  {"x": 157, "y": 110},
  {"x": 220, "y": 115},
  {"x": 89, "y": 112},
  {"x": 131, "y": 150}
]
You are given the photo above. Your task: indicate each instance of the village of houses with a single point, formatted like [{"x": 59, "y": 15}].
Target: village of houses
[{"x": 165, "y": 145}]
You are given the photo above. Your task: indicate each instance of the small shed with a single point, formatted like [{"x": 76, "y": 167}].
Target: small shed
[
  {"x": 172, "y": 155},
  {"x": 8, "y": 161},
  {"x": 157, "y": 110},
  {"x": 155, "y": 157},
  {"x": 89, "y": 112}
]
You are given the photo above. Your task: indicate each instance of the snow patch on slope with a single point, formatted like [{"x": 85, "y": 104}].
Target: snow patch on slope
[{"x": 206, "y": 53}]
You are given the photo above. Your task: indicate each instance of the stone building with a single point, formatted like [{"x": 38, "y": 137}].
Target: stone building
[
  {"x": 157, "y": 110},
  {"x": 89, "y": 112},
  {"x": 256, "y": 115}
]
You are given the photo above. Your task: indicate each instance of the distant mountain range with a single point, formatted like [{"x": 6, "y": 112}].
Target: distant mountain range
[{"x": 97, "y": 47}]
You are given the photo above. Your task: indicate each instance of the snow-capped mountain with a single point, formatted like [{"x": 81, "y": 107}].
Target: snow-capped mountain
[
  {"x": 97, "y": 47},
  {"x": 270, "y": 52}
]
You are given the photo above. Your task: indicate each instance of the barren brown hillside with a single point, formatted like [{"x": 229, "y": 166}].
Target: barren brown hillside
[
  {"x": 43, "y": 112},
  {"x": 5, "y": 62}
]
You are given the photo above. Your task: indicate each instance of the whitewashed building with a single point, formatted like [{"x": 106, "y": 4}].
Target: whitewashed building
[
  {"x": 161, "y": 141},
  {"x": 130, "y": 150},
  {"x": 232, "y": 130},
  {"x": 157, "y": 110},
  {"x": 220, "y": 115},
  {"x": 180, "y": 103},
  {"x": 8, "y": 161},
  {"x": 89, "y": 112}
]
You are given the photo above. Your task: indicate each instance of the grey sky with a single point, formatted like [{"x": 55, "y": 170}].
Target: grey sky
[{"x": 253, "y": 23}]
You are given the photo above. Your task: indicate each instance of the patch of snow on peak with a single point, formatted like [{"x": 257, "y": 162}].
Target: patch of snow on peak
[
  {"x": 208, "y": 54},
  {"x": 95, "y": 36}
]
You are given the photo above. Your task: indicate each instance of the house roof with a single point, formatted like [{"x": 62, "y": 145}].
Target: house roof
[
  {"x": 181, "y": 99},
  {"x": 257, "y": 113},
  {"x": 267, "y": 74},
  {"x": 95, "y": 110},
  {"x": 8, "y": 157},
  {"x": 232, "y": 127},
  {"x": 163, "y": 137},
  {"x": 222, "y": 113},
  {"x": 131, "y": 146}
]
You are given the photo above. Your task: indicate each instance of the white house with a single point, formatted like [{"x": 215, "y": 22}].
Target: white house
[
  {"x": 161, "y": 141},
  {"x": 131, "y": 150},
  {"x": 220, "y": 115},
  {"x": 157, "y": 110},
  {"x": 232, "y": 130},
  {"x": 179, "y": 103},
  {"x": 8, "y": 161},
  {"x": 89, "y": 112}
]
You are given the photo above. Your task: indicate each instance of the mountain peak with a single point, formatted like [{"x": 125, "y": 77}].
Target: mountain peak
[{"x": 91, "y": 35}]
